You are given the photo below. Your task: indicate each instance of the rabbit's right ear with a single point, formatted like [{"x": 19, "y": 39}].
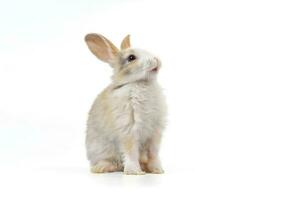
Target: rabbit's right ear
[{"x": 101, "y": 47}]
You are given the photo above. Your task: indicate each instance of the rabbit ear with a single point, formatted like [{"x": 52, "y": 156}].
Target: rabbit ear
[
  {"x": 101, "y": 47},
  {"x": 126, "y": 42}
]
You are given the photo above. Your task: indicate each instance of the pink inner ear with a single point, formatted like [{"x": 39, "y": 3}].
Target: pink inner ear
[{"x": 102, "y": 48}]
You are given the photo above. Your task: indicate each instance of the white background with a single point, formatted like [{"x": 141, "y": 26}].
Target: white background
[{"x": 223, "y": 74}]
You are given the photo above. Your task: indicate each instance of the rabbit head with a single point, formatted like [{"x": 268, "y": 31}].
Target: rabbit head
[{"x": 129, "y": 64}]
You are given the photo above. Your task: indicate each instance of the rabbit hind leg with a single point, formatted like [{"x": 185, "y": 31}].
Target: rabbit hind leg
[{"x": 105, "y": 166}]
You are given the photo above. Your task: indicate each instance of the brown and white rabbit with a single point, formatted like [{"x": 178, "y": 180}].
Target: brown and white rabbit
[{"x": 126, "y": 120}]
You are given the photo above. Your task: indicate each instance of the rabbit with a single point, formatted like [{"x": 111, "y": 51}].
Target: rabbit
[{"x": 126, "y": 120}]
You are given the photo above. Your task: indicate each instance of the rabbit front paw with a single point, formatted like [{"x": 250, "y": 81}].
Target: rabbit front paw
[
  {"x": 134, "y": 172},
  {"x": 131, "y": 170}
]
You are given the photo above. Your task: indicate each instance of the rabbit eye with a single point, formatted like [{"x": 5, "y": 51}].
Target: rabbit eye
[{"x": 131, "y": 58}]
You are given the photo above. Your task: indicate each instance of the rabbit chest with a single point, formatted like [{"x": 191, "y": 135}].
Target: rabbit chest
[{"x": 142, "y": 108}]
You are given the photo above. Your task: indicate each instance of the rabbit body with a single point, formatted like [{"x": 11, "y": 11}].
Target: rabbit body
[
  {"x": 134, "y": 110},
  {"x": 126, "y": 120}
]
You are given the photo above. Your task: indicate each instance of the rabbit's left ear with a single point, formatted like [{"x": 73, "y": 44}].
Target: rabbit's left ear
[{"x": 126, "y": 43}]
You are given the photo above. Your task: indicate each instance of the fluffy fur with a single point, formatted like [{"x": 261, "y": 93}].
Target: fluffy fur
[{"x": 126, "y": 120}]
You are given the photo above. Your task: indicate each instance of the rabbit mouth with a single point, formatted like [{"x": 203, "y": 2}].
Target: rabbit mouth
[{"x": 155, "y": 69}]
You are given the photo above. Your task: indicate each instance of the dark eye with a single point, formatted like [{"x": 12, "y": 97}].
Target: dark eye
[{"x": 131, "y": 58}]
